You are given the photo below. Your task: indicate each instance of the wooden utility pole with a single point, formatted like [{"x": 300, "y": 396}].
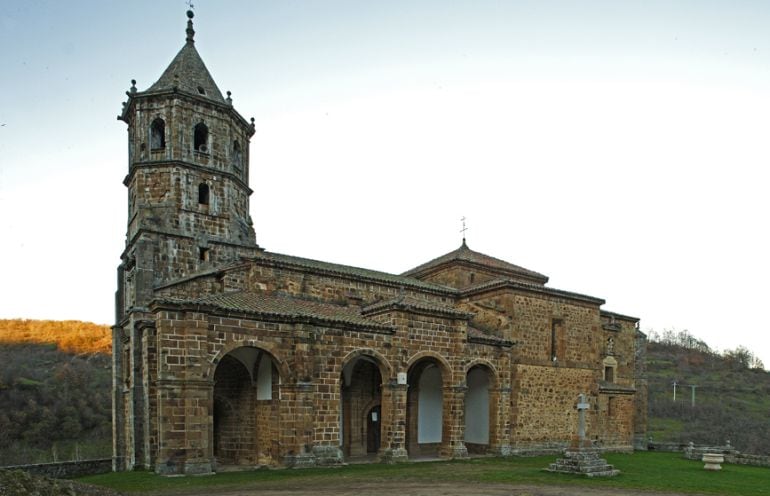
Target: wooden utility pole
[{"x": 674, "y": 391}]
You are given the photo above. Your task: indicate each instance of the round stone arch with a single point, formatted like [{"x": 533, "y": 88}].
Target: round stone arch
[
  {"x": 428, "y": 404},
  {"x": 386, "y": 369},
  {"x": 362, "y": 375},
  {"x": 244, "y": 403},
  {"x": 481, "y": 404},
  {"x": 446, "y": 369},
  {"x": 281, "y": 365},
  {"x": 480, "y": 362}
]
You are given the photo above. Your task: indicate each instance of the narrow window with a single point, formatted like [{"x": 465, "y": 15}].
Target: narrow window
[
  {"x": 554, "y": 325},
  {"x": 237, "y": 155},
  {"x": 609, "y": 374},
  {"x": 201, "y": 138},
  {"x": 158, "y": 134},
  {"x": 203, "y": 254},
  {"x": 203, "y": 194},
  {"x": 610, "y": 408}
]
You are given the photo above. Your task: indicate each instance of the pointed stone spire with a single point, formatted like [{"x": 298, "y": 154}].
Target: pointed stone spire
[{"x": 187, "y": 72}]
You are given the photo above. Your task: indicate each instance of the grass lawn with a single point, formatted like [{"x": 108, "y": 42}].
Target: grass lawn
[{"x": 643, "y": 470}]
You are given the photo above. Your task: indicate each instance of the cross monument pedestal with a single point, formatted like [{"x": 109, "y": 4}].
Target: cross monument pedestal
[{"x": 582, "y": 458}]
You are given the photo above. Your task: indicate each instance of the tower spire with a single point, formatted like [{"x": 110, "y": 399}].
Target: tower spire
[{"x": 190, "y": 31}]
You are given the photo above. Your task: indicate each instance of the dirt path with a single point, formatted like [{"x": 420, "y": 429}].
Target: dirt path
[{"x": 421, "y": 489}]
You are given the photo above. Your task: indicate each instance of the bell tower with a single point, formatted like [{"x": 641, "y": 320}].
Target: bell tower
[
  {"x": 188, "y": 213},
  {"x": 188, "y": 174}
]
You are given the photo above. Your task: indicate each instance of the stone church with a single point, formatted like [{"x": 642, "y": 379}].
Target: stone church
[{"x": 226, "y": 354}]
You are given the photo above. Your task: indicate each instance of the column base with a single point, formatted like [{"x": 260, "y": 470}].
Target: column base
[
  {"x": 184, "y": 467},
  {"x": 303, "y": 460},
  {"x": 328, "y": 455},
  {"x": 459, "y": 451},
  {"x": 397, "y": 455},
  {"x": 502, "y": 450}
]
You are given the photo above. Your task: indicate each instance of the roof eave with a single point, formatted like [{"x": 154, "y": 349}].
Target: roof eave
[
  {"x": 132, "y": 97},
  {"x": 507, "y": 283},
  {"x": 289, "y": 318}
]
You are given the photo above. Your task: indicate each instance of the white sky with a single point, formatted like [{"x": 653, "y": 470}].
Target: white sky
[{"x": 618, "y": 147}]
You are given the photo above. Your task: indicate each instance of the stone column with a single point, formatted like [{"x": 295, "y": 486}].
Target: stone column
[
  {"x": 296, "y": 424},
  {"x": 184, "y": 445},
  {"x": 500, "y": 444},
  {"x": 118, "y": 403},
  {"x": 453, "y": 445},
  {"x": 393, "y": 442}
]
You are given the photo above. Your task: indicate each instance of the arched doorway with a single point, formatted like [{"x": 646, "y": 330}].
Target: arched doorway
[
  {"x": 246, "y": 400},
  {"x": 425, "y": 408},
  {"x": 477, "y": 410},
  {"x": 361, "y": 396}
]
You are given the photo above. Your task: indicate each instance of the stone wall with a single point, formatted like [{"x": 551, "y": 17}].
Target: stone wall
[
  {"x": 692, "y": 452},
  {"x": 66, "y": 470}
]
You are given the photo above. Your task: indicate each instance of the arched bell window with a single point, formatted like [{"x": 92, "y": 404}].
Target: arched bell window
[
  {"x": 157, "y": 134},
  {"x": 201, "y": 138}
]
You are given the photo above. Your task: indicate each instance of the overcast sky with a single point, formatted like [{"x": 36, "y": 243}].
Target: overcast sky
[{"x": 618, "y": 147}]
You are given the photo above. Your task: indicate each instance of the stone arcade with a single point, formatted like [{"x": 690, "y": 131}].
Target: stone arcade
[{"x": 228, "y": 354}]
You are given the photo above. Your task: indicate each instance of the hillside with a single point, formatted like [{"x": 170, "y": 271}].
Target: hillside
[
  {"x": 732, "y": 396},
  {"x": 55, "y": 380}
]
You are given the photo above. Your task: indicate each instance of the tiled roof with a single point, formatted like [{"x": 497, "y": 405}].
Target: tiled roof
[
  {"x": 281, "y": 306},
  {"x": 465, "y": 254},
  {"x": 477, "y": 336},
  {"x": 349, "y": 271},
  {"x": 408, "y": 303}
]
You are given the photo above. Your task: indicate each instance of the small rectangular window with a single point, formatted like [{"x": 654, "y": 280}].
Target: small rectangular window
[
  {"x": 609, "y": 374},
  {"x": 203, "y": 254}
]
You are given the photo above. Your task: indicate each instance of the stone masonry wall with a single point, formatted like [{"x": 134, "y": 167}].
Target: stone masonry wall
[{"x": 544, "y": 413}]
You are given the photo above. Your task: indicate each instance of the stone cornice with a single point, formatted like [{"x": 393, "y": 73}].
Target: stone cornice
[
  {"x": 500, "y": 343},
  {"x": 529, "y": 288},
  {"x": 170, "y": 163},
  {"x": 185, "y": 95},
  {"x": 620, "y": 316}
]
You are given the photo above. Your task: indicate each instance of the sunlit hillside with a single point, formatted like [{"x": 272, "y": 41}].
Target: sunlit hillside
[
  {"x": 70, "y": 336},
  {"x": 54, "y": 391}
]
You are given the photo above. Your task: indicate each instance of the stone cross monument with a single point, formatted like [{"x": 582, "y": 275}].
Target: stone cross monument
[
  {"x": 582, "y": 458},
  {"x": 582, "y": 406}
]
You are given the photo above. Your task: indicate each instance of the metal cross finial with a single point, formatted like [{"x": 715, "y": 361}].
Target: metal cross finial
[{"x": 463, "y": 229}]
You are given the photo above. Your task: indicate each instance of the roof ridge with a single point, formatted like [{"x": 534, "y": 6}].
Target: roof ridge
[
  {"x": 465, "y": 254},
  {"x": 398, "y": 279}
]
